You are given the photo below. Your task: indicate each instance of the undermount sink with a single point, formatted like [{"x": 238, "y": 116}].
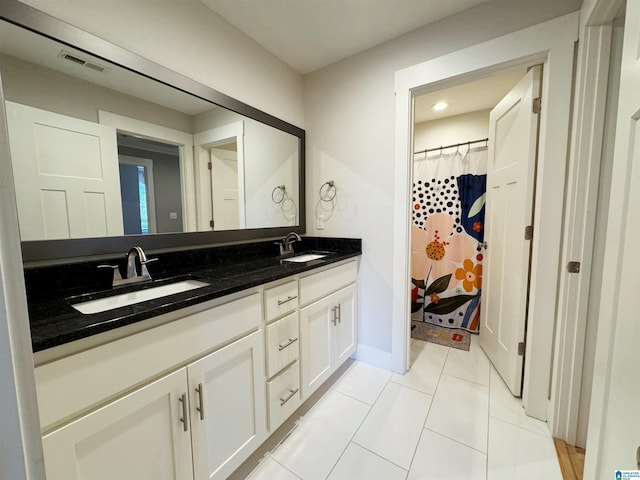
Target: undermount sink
[
  {"x": 124, "y": 299},
  {"x": 305, "y": 257}
]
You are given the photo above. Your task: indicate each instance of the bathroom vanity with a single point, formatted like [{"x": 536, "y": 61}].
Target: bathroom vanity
[{"x": 188, "y": 385}]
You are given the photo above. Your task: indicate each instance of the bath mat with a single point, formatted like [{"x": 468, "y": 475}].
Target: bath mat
[{"x": 449, "y": 337}]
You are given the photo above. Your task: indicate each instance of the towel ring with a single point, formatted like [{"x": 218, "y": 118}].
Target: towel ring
[
  {"x": 278, "y": 194},
  {"x": 328, "y": 191}
]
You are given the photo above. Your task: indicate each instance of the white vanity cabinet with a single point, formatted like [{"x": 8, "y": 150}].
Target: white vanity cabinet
[
  {"x": 228, "y": 415},
  {"x": 140, "y": 435},
  {"x": 194, "y": 394},
  {"x": 200, "y": 421},
  {"x": 328, "y": 323}
]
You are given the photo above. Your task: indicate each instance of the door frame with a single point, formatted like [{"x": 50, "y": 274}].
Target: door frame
[
  {"x": 551, "y": 43},
  {"x": 21, "y": 454},
  {"x": 574, "y": 305},
  {"x": 184, "y": 142}
]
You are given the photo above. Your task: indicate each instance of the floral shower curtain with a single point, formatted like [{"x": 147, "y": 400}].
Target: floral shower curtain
[{"x": 447, "y": 228}]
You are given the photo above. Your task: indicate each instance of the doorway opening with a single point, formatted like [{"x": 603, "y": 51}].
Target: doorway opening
[
  {"x": 448, "y": 203},
  {"x": 148, "y": 166},
  {"x": 552, "y": 45}
]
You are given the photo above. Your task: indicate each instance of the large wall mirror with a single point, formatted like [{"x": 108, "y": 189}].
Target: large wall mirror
[{"x": 110, "y": 150}]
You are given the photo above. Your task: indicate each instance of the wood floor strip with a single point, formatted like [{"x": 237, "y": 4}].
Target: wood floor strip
[{"x": 571, "y": 460}]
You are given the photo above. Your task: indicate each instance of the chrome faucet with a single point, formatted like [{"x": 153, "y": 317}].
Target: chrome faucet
[
  {"x": 133, "y": 275},
  {"x": 132, "y": 271},
  {"x": 286, "y": 243}
]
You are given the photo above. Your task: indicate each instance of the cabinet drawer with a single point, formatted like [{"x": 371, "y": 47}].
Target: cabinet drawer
[
  {"x": 284, "y": 396},
  {"x": 322, "y": 284},
  {"x": 280, "y": 300},
  {"x": 282, "y": 343}
]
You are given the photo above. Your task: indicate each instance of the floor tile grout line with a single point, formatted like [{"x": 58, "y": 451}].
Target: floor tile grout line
[
  {"x": 492, "y": 390},
  {"x": 426, "y": 417},
  {"x": 457, "y": 441},
  {"x": 359, "y": 426},
  {"x": 287, "y": 469},
  {"x": 491, "y": 379},
  {"x": 390, "y": 380},
  {"x": 379, "y": 456},
  {"x": 465, "y": 380}
]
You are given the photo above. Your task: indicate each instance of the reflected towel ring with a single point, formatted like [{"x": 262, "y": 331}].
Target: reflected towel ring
[
  {"x": 328, "y": 191},
  {"x": 278, "y": 194}
]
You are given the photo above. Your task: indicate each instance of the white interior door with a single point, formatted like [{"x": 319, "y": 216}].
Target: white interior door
[
  {"x": 66, "y": 175},
  {"x": 614, "y": 428},
  {"x": 224, "y": 186},
  {"x": 232, "y": 133},
  {"x": 510, "y": 173}
]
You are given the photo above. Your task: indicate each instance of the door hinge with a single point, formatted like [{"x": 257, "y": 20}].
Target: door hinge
[
  {"x": 528, "y": 232},
  {"x": 521, "y": 349},
  {"x": 573, "y": 267},
  {"x": 537, "y": 105},
  {"x": 211, "y": 223},
  {"x": 209, "y": 166}
]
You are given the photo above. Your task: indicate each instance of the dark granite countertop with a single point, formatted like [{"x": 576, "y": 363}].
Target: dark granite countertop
[{"x": 50, "y": 290}]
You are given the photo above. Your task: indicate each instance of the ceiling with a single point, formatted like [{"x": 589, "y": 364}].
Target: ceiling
[
  {"x": 311, "y": 34},
  {"x": 483, "y": 94}
]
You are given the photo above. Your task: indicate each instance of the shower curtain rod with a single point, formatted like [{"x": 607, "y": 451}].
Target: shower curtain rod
[{"x": 455, "y": 145}]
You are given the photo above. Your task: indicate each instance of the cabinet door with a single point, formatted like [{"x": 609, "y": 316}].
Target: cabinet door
[
  {"x": 345, "y": 332},
  {"x": 228, "y": 406},
  {"x": 316, "y": 332},
  {"x": 139, "y": 436}
]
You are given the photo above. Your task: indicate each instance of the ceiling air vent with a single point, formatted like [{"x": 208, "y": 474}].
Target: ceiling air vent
[{"x": 71, "y": 57}]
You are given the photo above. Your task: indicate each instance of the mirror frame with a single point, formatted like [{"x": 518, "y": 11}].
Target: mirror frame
[{"x": 68, "y": 250}]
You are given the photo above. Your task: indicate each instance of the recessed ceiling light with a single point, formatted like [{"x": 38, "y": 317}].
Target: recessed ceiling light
[{"x": 438, "y": 107}]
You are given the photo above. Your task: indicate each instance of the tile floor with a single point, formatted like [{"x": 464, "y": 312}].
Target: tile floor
[{"x": 450, "y": 417}]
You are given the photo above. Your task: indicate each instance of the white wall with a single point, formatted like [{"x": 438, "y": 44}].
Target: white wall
[
  {"x": 350, "y": 122},
  {"x": 189, "y": 38},
  {"x": 451, "y": 130}
]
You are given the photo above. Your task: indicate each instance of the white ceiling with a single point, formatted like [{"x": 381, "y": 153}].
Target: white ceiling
[
  {"x": 483, "y": 94},
  {"x": 311, "y": 34}
]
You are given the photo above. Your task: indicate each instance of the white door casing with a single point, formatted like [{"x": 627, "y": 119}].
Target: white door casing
[
  {"x": 184, "y": 142},
  {"x": 552, "y": 44},
  {"x": 614, "y": 424},
  {"x": 66, "y": 175},
  {"x": 513, "y": 130},
  {"x": 21, "y": 454}
]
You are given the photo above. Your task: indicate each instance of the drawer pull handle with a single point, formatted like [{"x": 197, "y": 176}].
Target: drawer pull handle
[
  {"x": 334, "y": 314},
  {"x": 291, "y": 340},
  {"x": 200, "y": 406},
  {"x": 282, "y": 302},
  {"x": 184, "y": 419},
  {"x": 291, "y": 394}
]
